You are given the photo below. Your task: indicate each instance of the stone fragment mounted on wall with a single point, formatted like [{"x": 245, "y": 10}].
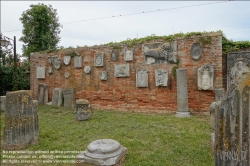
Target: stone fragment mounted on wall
[
  {"x": 57, "y": 97},
  {"x": 114, "y": 55},
  {"x": 205, "y": 77},
  {"x": 99, "y": 59},
  {"x": 66, "y": 74},
  {"x": 40, "y": 72},
  {"x": 160, "y": 52},
  {"x": 43, "y": 94},
  {"x": 103, "y": 75},
  {"x": 196, "y": 51},
  {"x": 56, "y": 62},
  {"x": 50, "y": 70},
  {"x": 129, "y": 55},
  {"x": 49, "y": 59},
  {"x": 69, "y": 98},
  {"x": 66, "y": 59},
  {"x": 78, "y": 61},
  {"x": 87, "y": 69},
  {"x": 141, "y": 78},
  {"x": 237, "y": 63},
  {"x": 121, "y": 70},
  {"x": 161, "y": 77}
]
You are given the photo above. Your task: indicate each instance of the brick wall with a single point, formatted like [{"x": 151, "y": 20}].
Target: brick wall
[{"x": 121, "y": 93}]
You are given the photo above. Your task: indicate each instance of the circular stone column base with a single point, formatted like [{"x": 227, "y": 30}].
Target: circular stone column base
[{"x": 183, "y": 114}]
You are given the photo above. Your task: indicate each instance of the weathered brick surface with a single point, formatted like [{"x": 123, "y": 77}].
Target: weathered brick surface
[{"x": 121, "y": 93}]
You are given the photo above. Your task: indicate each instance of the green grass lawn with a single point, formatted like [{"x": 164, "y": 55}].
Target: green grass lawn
[{"x": 151, "y": 139}]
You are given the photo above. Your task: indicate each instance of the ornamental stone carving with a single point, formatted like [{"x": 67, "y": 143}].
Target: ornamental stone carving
[
  {"x": 66, "y": 59},
  {"x": 121, "y": 70},
  {"x": 66, "y": 74},
  {"x": 56, "y": 62},
  {"x": 161, "y": 77},
  {"x": 78, "y": 61},
  {"x": 40, "y": 72},
  {"x": 160, "y": 52},
  {"x": 87, "y": 69},
  {"x": 99, "y": 60},
  {"x": 239, "y": 67},
  {"x": 128, "y": 55},
  {"x": 142, "y": 78},
  {"x": 114, "y": 56},
  {"x": 103, "y": 75},
  {"x": 196, "y": 51},
  {"x": 205, "y": 77},
  {"x": 49, "y": 58},
  {"x": 50, "y": 71}
]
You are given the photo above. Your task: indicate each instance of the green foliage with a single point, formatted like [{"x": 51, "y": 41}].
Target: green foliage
[
  {"x": 72, "y": 54},
  {"x": 230, "y": 45},
  {"x": 41, "y": 28}
]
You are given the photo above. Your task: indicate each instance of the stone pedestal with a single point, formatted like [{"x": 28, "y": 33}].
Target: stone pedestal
[
  {"x": 2, "y": 103},
  {"x": 106, "y": 152},
  {"x": 21, "y": 120},
  {"x": 83, "y": 110},
  {"x": 182, "y": 93}
]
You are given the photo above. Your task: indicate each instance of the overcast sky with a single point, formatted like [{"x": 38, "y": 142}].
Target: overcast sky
[{"x": 232, "y": 17}]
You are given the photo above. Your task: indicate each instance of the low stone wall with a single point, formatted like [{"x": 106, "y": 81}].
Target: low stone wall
[{"x": 108, "y": 76}]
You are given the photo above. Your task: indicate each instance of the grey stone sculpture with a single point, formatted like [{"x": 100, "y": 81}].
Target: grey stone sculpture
[
  {"x": 66, "y": 74},
  {"x": 237, "y": 63},
  {"x": 57, "y": 97},
  {"x": 56, "y": 62},
  {"x": 99, "y": 60},
  {"x": 205, "y": 77},
  {"x": 69, "y": 98},
  {"x": 43, "y": 93},
  {"x": 182, "y": 93},
  {"x": 66, "y": 59},
  {"x": 103, "y": 75},
  {"x": 196, "y": 51},
  {"x": 40, "y": 72},
  {"x": 83, "y": 110},
  {"x": 141, "y": 78},
  {"x": 129, "y": 55},
  {"x": 114, "y": 56},
  {"x": 161, "y": 77},
  {"x": 232, "y": 130},
  {"x": 21, "y": 120},
  {"x": 107, "y": 152},
  {"x": 121, "y": 70},
  {"x": 87, "y": 69},
  {"x": 49, "y": 58},
  {"x": 160, "y": 52},
  {"x": 78, "y": 61}
]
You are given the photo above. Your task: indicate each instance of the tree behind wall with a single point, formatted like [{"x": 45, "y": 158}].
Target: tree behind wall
[{"x": 40, "y": 29}]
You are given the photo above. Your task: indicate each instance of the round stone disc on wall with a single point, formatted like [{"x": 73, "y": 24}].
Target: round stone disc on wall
[{"x": 196, "y": 51}]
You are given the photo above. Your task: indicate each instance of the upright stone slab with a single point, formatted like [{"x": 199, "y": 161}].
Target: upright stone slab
[
  {"x": 106, "y": 152},
  {"x": 21, "y": 120},
  {"x": 182, "y": 93},
  {"x": 57, "y": 97},
  {"x": 69, "y": 98},
  {"x": 232, "y": 125},
  {"x": 43, "y": 93},
  {"x": 2, "y": 103}
]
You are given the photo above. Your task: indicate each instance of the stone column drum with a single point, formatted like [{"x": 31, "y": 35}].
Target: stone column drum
[
  {"x": 106, "y": 152},
  {"x": 21, "y": 120},
  {"x": 182, "y": 93}
]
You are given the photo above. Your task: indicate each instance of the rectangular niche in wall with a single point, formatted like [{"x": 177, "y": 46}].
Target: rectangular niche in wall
[
  {"x": 78, "y": 61},
  {"x": 121, "y": 70},
  {"x": 161, "y": 77},
  {"x": 40, "y": 72},
  {"x": 99, "y": 60},
  {"x": 141, "y": 78}
]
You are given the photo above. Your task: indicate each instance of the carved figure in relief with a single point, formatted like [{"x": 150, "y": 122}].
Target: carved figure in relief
[
  {"x": 98, "y": 60},
  {"x": 121, "y": 70},
  {"x": 238, "y": 69},
  {"x": 205, "y": 77},
  {"x": 128, "y": 55},
  {"x": 103, "y": 75},
  {"x": 160, "y": 78}
]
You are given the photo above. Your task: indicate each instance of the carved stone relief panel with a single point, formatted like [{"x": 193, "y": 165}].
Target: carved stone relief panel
[
  {"x": 160, "y": 52},
  {"x": 78, "y": 61},
  {"x": 49, "y": 58},
  {"x": 205, "y": 77},
  {"x": 87, "y": 69},
  {"x": 99, "y": 60},
  {"x": 66, "y": 59},
  {"x": 121, "y": 70},
  {"x": 237, "y": 63},
  {"x": 141, "y": 78},
  {"x": 196, "y": 51},
  {"x": 66, "y": 74},
  {"x": 56, "y": 62},
  {"x": 114, "y": 55},
  {"x": 50, "y": 71},
  {"x": 40, "y": 72},
  {"x": 128, "y": 55},
  {"x": 161, "y": 77},
  {"x": 103, "y": 75}
]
